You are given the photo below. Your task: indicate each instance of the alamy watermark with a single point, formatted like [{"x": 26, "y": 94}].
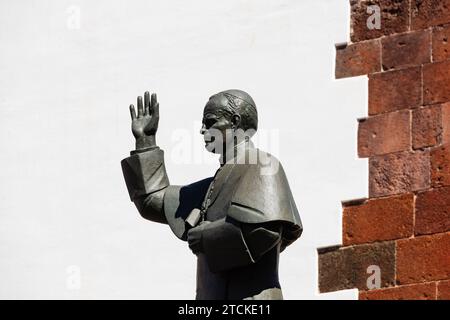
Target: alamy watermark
[
  {"x": 374, "y": 280},
  {"x": 374, "y": 20},
  {"x": 228, "y": 143},
  {"x": 73, "y": 21},
  {"x": 73, "y": 277}
]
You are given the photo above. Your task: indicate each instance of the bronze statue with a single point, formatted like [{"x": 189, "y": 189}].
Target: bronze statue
[{"x": 236, "y": 222}]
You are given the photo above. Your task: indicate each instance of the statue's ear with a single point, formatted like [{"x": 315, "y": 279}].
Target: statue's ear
[{"x": 236, "y": 120}]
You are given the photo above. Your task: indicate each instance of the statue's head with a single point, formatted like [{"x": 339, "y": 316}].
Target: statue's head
[{"x": 229, "y": 118}]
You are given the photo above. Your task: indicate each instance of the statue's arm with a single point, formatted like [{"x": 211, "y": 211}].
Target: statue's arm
[
  {"x": 144, "y": 171},
  {"x": 229, "y": 244},
  {"x": 146, "y": 179},
  {"x": 151, "y": 206}
]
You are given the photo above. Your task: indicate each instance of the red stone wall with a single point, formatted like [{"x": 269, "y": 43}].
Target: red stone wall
[{"x": 403, "y": 228}]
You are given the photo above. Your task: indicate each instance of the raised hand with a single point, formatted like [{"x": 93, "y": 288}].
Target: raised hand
[{"x": 145, "y": 124}]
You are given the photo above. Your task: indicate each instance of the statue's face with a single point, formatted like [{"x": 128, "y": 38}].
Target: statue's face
[{"x": 216, "y": 125}]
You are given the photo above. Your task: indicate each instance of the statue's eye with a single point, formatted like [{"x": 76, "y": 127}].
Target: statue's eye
[{"x": 209, "y": 122}]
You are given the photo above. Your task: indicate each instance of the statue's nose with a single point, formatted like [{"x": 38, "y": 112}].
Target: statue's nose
[{"x": 203, "y": 129}]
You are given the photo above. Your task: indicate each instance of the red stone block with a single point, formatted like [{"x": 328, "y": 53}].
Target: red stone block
[
  {"x": 347, "y": 267},
  {"x": 443, "y": 290},
  {"x": 379, "y": 220},
  {"x": 358, "y": 59},
  {"x": 425, "y": 13},
  {"x": 426, "y": 127},
  {"x": 446, "y": 123},
  {"x": 441, "y": 43},
  {"x": 394, "y": 18},
  {"x": 423, "y": 259},
  {"x": 386, "y": 133},
  {"x": 433, "y": 211},
  {"x": 406, "y": 50},
  {"x": 398, "y": 173},
  {"x": 422, "y": 291},
  {"x": 436, "y": 82},
  {"x": 395, "y": 90},
  {"x": 440, "y": 166}
]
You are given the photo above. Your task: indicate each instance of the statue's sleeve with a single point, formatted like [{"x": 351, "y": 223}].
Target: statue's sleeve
[
  {"x": 146, "y": 179},
  {"x": 228, "y": 244}
]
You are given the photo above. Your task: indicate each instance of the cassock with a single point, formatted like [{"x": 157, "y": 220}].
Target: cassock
[{"x": 251, "y": 213}]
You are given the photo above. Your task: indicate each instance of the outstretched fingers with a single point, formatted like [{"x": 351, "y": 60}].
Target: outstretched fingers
[
  {"x": 153, "y": 103},
  {"x": 132, "y": 112},
  {"x": 155, "y": 115},
  {"x": 147, "y": 103},
  {"x": 145, "y": 107},
  {"x": 140, "y": 107},
  {"x": 156, "y": 110}
]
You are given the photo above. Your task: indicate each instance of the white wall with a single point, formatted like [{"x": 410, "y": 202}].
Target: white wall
[{"x": 64, "y": 127}]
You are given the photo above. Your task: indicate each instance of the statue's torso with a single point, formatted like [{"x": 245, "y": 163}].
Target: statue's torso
[{"x": 258, "y": 280}]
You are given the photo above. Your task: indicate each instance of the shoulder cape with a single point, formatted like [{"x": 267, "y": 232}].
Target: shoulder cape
[{"x": 263, "y": 195}]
